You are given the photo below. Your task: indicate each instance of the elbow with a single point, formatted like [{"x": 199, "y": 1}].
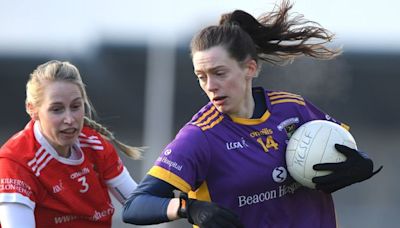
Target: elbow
[{"x": 128, "y": 212}]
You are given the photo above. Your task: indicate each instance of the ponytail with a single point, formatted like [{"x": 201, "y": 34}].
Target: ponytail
[
  {"x": 132, "y": 152},
  {"x": 275, "y": 37}
]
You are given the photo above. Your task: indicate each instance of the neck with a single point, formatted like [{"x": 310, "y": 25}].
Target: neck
[{"x": 246, "y": 110}]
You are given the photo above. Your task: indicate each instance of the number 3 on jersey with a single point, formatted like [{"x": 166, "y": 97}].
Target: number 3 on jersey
[
  {"x": 269, "y": 143},
  {"x": 85, "y": 185}
]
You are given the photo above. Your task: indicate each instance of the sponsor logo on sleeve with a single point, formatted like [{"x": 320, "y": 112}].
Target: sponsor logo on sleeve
[
  {"x": 15, "y": 185},
  {"x": 167, "y": 161}
]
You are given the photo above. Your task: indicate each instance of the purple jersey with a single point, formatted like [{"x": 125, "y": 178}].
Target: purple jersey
[{"x": 240, "y": 164}]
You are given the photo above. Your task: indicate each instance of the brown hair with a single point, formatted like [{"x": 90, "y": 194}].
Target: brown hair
[{"x": 274, "y": 37}]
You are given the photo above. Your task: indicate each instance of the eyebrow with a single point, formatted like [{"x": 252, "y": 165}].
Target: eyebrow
[
  {"x": 211, "y": 69},
  {"x": 74, "y": 100}
]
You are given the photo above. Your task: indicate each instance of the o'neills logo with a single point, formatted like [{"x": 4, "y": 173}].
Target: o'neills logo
[
  {"x": 84, "y": 171},
  {"x": 264, "y": 131}
]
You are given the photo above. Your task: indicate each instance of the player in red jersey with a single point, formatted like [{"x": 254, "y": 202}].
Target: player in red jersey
[{"x": 58, "y": 171}]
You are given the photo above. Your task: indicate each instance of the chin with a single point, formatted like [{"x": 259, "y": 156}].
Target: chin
[
  {"x": 223, "y": 109},
  {"x": 68, "y": 141}
]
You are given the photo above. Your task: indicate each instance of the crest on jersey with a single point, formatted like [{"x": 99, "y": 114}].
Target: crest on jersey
[{"x": 289, "y": 125}]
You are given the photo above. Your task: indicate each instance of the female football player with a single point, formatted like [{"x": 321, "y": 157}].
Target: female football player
[
  {"x": 58, "y": 170},
  {"x": 230, "y": 158}
]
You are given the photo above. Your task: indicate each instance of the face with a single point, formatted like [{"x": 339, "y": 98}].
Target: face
[
  {"x": 226, "y": 82},
  {"x": 61, "y": 114}
]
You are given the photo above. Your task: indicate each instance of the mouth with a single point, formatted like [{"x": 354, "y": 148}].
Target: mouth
[
  {"x": 219, "y": 100},
  {"x": 69, "y": 132}
]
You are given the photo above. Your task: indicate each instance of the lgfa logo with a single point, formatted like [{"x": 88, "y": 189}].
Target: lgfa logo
[{"x": 236, "y": 145}]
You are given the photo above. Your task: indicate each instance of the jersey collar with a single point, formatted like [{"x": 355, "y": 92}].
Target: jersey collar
[{"x": 50, "y": 149}]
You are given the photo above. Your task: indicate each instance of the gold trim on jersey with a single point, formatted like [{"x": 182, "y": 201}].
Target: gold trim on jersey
[
  {"x": 208, "y": 119},
  {"x": 288, "y": 101},
  {"x": 220, "y": 118},
  {"x": 345, "y": 126},
  {"x": 278, "y": 96},
  {"x": 169, "y": 177},
  {"x": 201, "y": 193},
  {"x": 246, "y": 121},
  {"x": 285, "y": 97},
  {"x": 204, "y": 115}
]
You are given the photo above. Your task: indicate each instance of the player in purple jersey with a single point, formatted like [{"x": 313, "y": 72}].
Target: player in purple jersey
[{"x": 229, "y": 160}]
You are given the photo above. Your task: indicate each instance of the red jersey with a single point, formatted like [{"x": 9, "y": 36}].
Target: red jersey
[{"x": 63, "y": 192}]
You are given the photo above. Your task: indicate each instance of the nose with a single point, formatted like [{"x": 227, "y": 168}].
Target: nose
[
  {"x": 68, "y": 118},
  {"x": 212, "y": 84}
]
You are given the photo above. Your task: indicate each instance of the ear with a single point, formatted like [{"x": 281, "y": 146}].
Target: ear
[
  {"x": 31, "y": 111},
  {"x": 252, "y": 68}
]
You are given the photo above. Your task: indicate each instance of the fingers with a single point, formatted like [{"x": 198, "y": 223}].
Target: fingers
[
  {"x": 347, "y": 151},
  {"x": 332, "y": 187},
  {"x": 228, "y": 223},
  {"x": 378, "y": 170},
  {"x": 231, "y": 218},
  {"x": 330, "y": 166},
  {"x": 330, "y": 178},
  {"x": 223, "y": 218}
]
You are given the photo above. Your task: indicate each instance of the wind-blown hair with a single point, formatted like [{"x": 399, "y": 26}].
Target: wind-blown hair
[{"x": 274, "y": 37}]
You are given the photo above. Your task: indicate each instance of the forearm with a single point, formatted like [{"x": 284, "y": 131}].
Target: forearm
[
  {"x": 146, "y": 210},
  {"x": 172, "y": 209},
  {"x": 151, "y": 203},
  {"x": 122, "y": 186}
]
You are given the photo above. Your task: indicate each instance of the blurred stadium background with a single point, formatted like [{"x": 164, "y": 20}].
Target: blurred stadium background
[{"x": 143, "y": 87}]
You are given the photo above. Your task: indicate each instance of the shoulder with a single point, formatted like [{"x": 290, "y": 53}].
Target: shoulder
[
  {"x": 91, "y": 139},
  {"x": 22, "y": 146},
  {"x": 278, "y": 98},
  {"x": 98, "y": 149},
  {"x": 207, "y": 118}
]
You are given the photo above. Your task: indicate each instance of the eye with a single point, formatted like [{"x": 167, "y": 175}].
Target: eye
[
  {"x": 76, "y": 105},
  {"x": 56, "y": 109},
  {"x": 220, "y": 73},
  {"x": 201, "y": 77}
]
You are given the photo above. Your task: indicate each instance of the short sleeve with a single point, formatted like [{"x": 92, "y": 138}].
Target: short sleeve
[
  {"x": 17, "y": 184},
  {"x": 184, "y": 162},
  {"x": 110, "y": 161},
  {"x": 311, "y": 112}
]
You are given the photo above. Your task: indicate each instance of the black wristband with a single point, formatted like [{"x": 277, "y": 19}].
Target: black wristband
[{"x": 183, "y": 203}]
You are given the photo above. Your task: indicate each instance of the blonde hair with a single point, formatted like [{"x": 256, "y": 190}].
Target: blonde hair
[{"x": 55, "y": 70}]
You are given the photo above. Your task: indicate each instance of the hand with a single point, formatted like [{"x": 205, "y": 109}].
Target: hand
[
  {"x": 207, "y": 214},
  {"x": 356, "y": 168}
]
